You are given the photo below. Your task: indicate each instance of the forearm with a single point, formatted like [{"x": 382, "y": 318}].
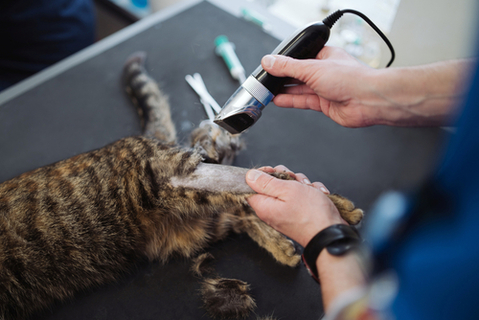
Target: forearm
[
  {"x": 338, "y": 274},
  {"x": 428, "y": 95}
]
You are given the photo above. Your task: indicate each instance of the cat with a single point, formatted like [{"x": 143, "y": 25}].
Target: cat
[{"x": 87, "y": 220}]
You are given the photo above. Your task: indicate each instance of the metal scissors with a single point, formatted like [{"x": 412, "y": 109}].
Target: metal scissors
[{"x": 209, "y": 103}]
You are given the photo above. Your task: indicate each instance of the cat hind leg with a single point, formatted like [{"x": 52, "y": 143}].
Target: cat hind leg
[
  {"x": 223, "y": 298},
  {"x": 227, "y": 298},
  {"x": 151, "y": 102}
]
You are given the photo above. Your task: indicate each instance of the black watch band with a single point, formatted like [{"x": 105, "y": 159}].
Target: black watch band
[{"x": 337, "y": 239}]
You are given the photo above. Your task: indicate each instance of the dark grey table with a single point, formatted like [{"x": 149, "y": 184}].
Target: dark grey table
[{"x": 79, "y": 105}]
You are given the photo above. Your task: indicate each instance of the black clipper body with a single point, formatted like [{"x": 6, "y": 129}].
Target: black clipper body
[{"x": 244, "y": 107}]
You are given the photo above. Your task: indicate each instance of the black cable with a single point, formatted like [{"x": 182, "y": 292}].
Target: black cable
[{"x": 332, "y": 18}]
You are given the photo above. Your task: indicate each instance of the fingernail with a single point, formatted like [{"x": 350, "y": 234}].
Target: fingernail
[
  {"x": 268, "y": 61},
  {"x": 253, "y": 174},
  {"x": 306, "y": 181},
  {"x": 324, "y": 190}
]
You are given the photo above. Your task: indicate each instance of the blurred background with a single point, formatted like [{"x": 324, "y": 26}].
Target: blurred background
[
  {"x": 38, "y": 33},
  {"x": 421, "y": 31}
]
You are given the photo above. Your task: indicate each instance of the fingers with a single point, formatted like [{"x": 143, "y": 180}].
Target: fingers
[
  {"x": 301, "y": 96},
  {"x": 267, "y": 169},
  {"x": 321, "y": 187},
  {"x": 317, "y": 185},
  {"x": 298, "y": 101},
  {"x": 283, "y": 66},
  {"x": 303, "y": 179},
  {"x": 329, "y": 52},
  {"x": 300, "y": 177},
  {"x": 280, "y": 169},
  {"x": 264, "y": 183},
  {"x": 298, "y": 89}
]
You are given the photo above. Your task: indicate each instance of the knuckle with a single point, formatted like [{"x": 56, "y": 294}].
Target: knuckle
[
  {"x": 318, "y": 185},
  {"x": 300, "y": 175},
  {"x": 265, "y": 182},
  {"x": 281, "y": 168},
  {"x": 286, "y": 65}
]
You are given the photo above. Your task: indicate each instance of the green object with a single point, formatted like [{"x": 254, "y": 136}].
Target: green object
[
  {"x": 220, "y": 40},
  {"x": 254, "y": 17},
  {"x": 226, "y": 50}
]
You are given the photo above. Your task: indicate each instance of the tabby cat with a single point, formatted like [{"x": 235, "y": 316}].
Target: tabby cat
[{"x": 87, "y": 220}]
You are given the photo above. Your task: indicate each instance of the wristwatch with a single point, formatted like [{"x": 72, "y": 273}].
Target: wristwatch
[{"x": 337, "y": 239}]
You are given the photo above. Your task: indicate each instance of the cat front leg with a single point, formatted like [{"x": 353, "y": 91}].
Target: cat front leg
[
  {"x": 220, "y": 179},
  {"x": 346, "y": 209},
  {"x": 280, "y": 247}
]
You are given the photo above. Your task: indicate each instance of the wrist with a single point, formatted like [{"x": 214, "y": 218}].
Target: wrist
[
  {"x": 339, "y": 274},
  {"x": 337, "y": 240},
  {"x": 311, "y": 230},
  {"x": 417, "y": 96},
  {"x": 390, "y": 97}
]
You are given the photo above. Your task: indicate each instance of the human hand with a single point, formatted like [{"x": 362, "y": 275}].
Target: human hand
[
  {"x": 335, "y": 83},
  {"x": 298, "y": 209},
  {"x": 355, "y": 95}
]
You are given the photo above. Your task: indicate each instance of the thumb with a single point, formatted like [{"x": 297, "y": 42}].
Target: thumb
[
  {"x": 283, "y": 66},
  {"x": 264, "y": 183}
]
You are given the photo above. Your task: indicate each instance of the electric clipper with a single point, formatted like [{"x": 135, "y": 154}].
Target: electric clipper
[{"x": 244, "y": 107}]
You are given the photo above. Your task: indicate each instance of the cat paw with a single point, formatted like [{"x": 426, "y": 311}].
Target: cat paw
[
  {"x": 282, "y": 175},
  {"x": 346, "y": 209},
  {"x": 287, "y": 253},
  {"x": 215, "y": 144}
]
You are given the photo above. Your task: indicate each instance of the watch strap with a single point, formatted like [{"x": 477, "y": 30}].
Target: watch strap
[{"x": 337, "y": 239}]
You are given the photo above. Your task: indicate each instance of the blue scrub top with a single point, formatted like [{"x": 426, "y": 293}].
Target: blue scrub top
[
  {"x": 37, "y": 33},
  {"x": 438, "y": 261}
]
